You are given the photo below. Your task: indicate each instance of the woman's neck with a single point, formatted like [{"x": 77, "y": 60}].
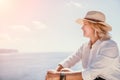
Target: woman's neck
[{"x": 93, "y": 40}]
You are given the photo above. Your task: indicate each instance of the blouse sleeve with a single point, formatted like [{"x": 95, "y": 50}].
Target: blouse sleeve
[
  {"x": 102, "y": 63},
  {"x": 73, "y": 59}
]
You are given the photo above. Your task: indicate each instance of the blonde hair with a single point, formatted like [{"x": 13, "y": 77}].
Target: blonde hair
[{"x": 101, "y": 30}]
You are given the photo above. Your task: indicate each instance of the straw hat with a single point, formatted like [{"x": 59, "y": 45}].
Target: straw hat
[{"x": 95, "y": 17}]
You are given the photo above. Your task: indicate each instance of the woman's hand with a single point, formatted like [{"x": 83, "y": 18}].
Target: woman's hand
[{"x": 59, "y": 68}]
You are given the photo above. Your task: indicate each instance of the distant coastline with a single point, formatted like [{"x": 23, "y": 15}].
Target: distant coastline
[{"x": 8, "y": 51}]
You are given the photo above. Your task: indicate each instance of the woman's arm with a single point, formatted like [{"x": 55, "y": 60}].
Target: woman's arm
[{"x": 71, "y": 60}]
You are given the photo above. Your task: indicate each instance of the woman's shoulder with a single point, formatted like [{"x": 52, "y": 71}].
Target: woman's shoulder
[
  {"x": 109, "y": 48},
  {"x": 108, "y": 43}
]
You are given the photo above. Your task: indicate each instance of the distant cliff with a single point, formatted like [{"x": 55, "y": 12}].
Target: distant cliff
[{"x": 8, "y": 51}]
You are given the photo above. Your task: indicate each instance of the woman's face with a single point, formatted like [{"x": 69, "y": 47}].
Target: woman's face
[{"x": 87, "y": 29}]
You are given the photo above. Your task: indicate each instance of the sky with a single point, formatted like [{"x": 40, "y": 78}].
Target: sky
[{"x": 49, "y": 25}]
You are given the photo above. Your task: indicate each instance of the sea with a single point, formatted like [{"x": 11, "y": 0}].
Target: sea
[{"x": 30, "y": 66}]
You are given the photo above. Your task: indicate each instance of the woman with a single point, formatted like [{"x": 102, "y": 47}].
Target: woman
[{"x": 100, "y": 56}]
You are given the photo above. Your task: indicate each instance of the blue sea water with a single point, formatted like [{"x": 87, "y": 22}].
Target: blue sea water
[{"x": 29, "y": 66}]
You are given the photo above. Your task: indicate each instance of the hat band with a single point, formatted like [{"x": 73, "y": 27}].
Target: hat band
[{"x": 94, "y": 20}]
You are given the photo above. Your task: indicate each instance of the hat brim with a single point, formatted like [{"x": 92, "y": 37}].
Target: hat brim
[{"x": 81, "y": 21}]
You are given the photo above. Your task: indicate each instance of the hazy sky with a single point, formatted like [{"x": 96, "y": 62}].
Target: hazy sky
[{"x": 49, "y": 25}]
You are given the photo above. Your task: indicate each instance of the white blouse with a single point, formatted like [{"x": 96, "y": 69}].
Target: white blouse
[{"x": 101, "y": 60}]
